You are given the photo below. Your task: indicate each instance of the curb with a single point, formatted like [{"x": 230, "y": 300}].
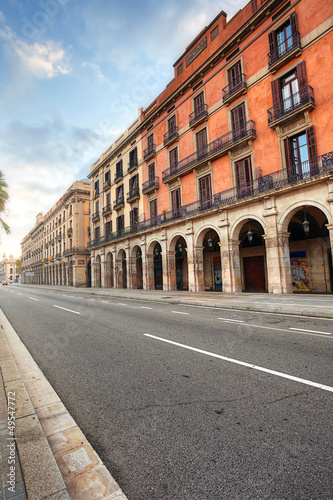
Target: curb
[{"x": 57, "y": 461}]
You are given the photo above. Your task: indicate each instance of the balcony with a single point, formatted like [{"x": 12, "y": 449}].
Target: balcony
[
  {"x": 212, "y": 151},
  {"x": 150, "y": 152},
  {"x": 235, "y": 89},
  {"x": 75, "y": 250},
  {"x": 133, "y": 165},
  {"x": 95, "y": 194},
  {"x": 291, "y": 108},
  {"x": 133, "y": 195},
  {"x": 58, "y": 256},
  {"x": 119, "y": 203},
  {"x": 107, "y": 184},
  {"x": 150, "y": 185},
  {"x": 198, "y": 116},
  {"x": 118, "y": 175},
  {"x": 95, "y": 216},
  {"x": 171, "y": 136},
  {"x": 107, "y": 210},
  {"x": 284, "y": 52}
]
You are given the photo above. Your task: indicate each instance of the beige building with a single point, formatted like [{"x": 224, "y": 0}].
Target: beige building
[
  {"x": 55, "y": 251},
  {"x": 8, "y": 269}
]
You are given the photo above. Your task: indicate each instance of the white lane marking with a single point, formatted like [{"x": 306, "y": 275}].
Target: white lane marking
[
  {"x": 11, "y": 291},
  {"x": 121, "y": 304},
  {"x": 247, "y": 365},
  {"x": 18, "y": 293},
  {"x": 91, "y": 299},
  {"x": 105, "y": 301},
  {"x": 144, "y": 307},
  {"x": 64, "y": 308},
  {"x": 235, "y": 320},
  {"x": 281, "y": 329},
  {"x": 32, "y": 298},
  {"x": 309, "y": 331},
  {"x": 178, "y": 312},
  {"x": 71, "y": 297}
]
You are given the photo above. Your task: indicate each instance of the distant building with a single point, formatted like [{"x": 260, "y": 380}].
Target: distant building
[
  {"x": 55, "y": 251},
  {"x": 232, "y": 188},
  {"x": 8, "y": 269}
]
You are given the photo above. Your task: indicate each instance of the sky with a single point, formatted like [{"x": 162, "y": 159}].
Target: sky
[{"x": 73, "y": 75}]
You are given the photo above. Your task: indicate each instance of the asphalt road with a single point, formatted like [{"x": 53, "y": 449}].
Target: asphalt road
[{"x": 189, "y": 403}]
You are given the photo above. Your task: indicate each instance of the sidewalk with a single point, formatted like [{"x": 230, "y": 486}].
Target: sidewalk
[{"x": 313, "y": 305}]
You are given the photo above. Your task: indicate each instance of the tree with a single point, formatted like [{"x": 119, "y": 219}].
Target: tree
[
  {"x": 18, "y": 264},
  {"x": 3, "y": 200}
]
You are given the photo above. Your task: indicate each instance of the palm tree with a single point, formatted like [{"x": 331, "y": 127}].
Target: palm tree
[{"x": 3, "y": 200}]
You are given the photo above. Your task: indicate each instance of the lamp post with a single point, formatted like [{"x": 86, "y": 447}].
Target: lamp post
[
  {"x": 250, "y": 234},
  {"x": 306, "y": 224}
]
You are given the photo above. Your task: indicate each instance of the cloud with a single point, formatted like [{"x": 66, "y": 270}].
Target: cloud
[{"x": 42, "y": 60}]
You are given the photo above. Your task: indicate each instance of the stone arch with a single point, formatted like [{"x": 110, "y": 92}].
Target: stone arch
[
  {"x": 136, "y": 267},
  {"x": 239, "y": 223},
  {"x": 177, "y": 252},
  {"x": 286, "y": 216}
]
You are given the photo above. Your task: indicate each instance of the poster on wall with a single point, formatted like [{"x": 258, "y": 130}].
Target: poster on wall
[{"x": 299, "y": 271}]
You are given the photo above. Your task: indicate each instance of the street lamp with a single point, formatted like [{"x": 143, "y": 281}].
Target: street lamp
[
  {"x": 250, "y": 234},
  {"x": 210, "y": 242},
  {"x": 306, "y": 224},
  {"x": 180, "y": 247},
  {"x": 138, "y": 253}
]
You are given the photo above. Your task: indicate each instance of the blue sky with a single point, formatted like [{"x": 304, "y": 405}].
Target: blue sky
[{"x": 73, "y": 74}]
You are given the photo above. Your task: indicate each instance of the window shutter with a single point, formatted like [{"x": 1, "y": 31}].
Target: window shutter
[
  {"x": 201, "y": 141},
  {"x": 276, "y": 92},
  {"x": 301, "y": 75},
  {"x": 293, "y": 23},
  {"x": 312, "y": 148},
  {"x": 272, "y": 42},
  {"x": 199, "y": 102},
  {"x": 289, "y": 158}
]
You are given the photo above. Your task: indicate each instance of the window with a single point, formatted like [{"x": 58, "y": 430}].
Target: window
[
  {"x": 134, "y": 216},
  {"x": 301, "y": 155},
  {"x": 290, "y": 91},
  {"x": 238, "y": 122},
  {"x": 97, "y": 233},
  {"x": 133, "y": 184},
  {"x": 244, "y": 177},
  {"x": 214, "y": 33},
  {"x": 153, "y": 209},
  {"x": 199, "y": 104},
  {"x": 119, "y": 169},
  {"x": 107, "y": 180},
  {"x": 151, "y": 172},
  {"x": 108, "y": 227},
  {"x": 172, "y": 124},
  {"x": 201, "y": 140},
  {"x": 235, "y": 76},
  {"x": 150, "y": 142},
  {"x": 175, "y": 202},
  {"x": 120, "y": 222},
  {"x": 97, "y": 207},
  {"x": 96, "y": 188},
  {"x": 133, "y": 157},
  {"x": 283, "y": 40},
  {"x": 173, "y": 159},
  {"x": 120, "y": 193},
  {"x": 205, "y": 191},
  {"x": 108, "y": 199}
]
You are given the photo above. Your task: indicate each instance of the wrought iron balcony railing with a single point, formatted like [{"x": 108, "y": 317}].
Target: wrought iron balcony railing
[
  {"x": 133, "y": 194},
  {"x": 107, "y": 184},
  {"x": 198, "y": 115},
  {"x": 262, "y": 185},
  {"x": 119, "y": 202},
  {"x": 149, "y": 152},
  {"x": 170, "y": 136},
  {"x": 118, "y": 175},
  {"x": 214, "y": 149},
  {"x": 234, "y": 88},
  {"x": 107, "y": 209},
  {"x": 133, "y": 164},
  {"x": 150, "y": 185},
  {"x": 304, "y": 97},
  {"x": 284, "y": 48},
  {"x": 95, "y": 216}
]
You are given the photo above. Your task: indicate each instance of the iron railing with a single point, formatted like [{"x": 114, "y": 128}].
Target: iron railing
[
  {"x": 95, "y": 216},
  {"x": 220, "y": 145},
  {"x": 133, "y": 194},
  {"x": 170, "y": 135},
  {"x": 107, "y": 183},
  {"x": 133, "y": 164},
  {"x": 295, "y": 101},
  {"x": 118, "y": 175},
  {"x": 199, "y": 113},
  {"x": 284, "y": 48},
  {"x": 149, "y": 152},
  {"x": 263, "y": 184},
  {"x": 118, "y": 202},
  {"x": 233, "y": 87},
  {"x": 150, "y": 184},
  {"x": 107, "y": 209}
]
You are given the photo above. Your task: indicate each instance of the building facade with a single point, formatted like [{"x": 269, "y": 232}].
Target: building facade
[
  {"x": 8, "y": 269},
  {"x": 55, "y": 251},
  {"x": 235, "y": 163}
]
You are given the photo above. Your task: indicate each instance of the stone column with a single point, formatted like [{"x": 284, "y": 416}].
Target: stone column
[
  {"x": 93, "y": 272},
  {"x": 235, "y": 266},
  {"x": 284, "y": 258},
  {"x": 132, "y": 282},
  {"x": 172, "y": 279},
  {"x": 273, "y": 264},
  {"x": 103, "y": 270},
  {"x": 198, "y": 269},
  {"x": 150, "y": 281}
]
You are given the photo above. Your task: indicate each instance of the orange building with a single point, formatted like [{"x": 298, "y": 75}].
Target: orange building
[{"x": 237, "y": 162}]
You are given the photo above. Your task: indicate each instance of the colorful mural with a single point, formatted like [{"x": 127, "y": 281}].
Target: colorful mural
[{"x": 299, "y": 271}]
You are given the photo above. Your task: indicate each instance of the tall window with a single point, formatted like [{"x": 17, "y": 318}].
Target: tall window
[
  {"x": 120, "y": 193},
  {"x": 283, "y": 40},
  {"x": 153, "y": 209},
  {"x": 290, "y": 90},
  {"x": 173, "y": 158},
  {"x": 205, "y": 191},
  {"x": 175, "y": 202},
  {"x": 301, "y": 155},
  {"x": 151, "y": 172},
  {"x": 108, "y": 227},
  {"x": 244, "y": 177},
  {"x": 133, "y": 157},
  {"x": 108, "y": 199},
  {"x": 238, "y": 121},
  {"x": 97, "y": 207},
  {"x": 96, "y": 188},
  {"x": 120, "y": 222},
  {"x": 199, "y": 104},
  {"x": 107, "y": 178},
  {"x": 134, "y": 216},
  {"x": 150, "y": 142},
  {"x": 119, "y": 169},
  {"x": 133, "y": 184},
  {"x": 201, "y": 140},
  {"x": 235, "y": 76},
  {"x": 97, "y": 232},
  {"x": 172, "y": 124}
]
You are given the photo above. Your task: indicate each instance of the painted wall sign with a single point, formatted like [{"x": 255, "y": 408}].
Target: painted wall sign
[{"x": 195, "y": 52}]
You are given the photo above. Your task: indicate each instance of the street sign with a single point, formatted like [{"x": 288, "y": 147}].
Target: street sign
[{"x": 29, "y": 273}]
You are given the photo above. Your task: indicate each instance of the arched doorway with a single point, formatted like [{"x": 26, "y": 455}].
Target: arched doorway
[
  {"x": 158, "y": 267},
  {"x": 181, "y": 264},
  {"x": 310, "y": 251},
  {"x": 124, "y": 269},
  {"x": 88, "y": 274},
  {"x": 212, "y": 261},
  {"x": 109, "y": 271},
  {"x": 253, "y": 257}
]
